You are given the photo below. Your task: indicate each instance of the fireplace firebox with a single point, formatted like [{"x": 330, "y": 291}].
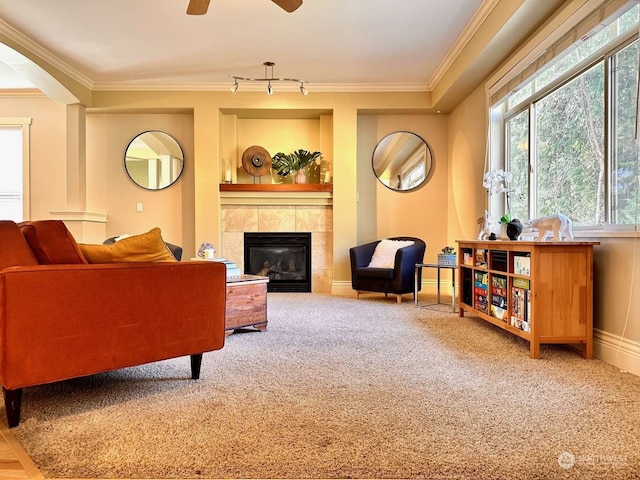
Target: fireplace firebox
[{"x": 284, "y": 257}]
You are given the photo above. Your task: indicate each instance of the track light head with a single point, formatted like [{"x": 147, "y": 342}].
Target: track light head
[
  {"x": 269, "y": 89},
  {"x": 234, "y": 87},
  {"x": 303, "y": 90}
]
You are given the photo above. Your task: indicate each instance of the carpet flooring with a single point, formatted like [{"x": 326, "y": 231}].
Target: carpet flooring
[{"x": 345, "y": 388}]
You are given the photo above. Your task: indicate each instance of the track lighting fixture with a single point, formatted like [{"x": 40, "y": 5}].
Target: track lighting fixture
[{"x": 268, "y": 77}]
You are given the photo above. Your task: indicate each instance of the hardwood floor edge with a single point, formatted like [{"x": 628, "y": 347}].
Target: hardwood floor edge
[{"x": 29, "y": 468}]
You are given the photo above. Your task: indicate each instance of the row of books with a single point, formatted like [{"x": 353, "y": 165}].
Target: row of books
[
  {"x": 479, "y": 258},
  {"x": 499, "y": 306},
  {"x": 481, "y": 291},
  {"x": 520, "y": 304}
]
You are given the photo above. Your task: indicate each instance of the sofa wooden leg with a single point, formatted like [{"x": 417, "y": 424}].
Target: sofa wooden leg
[
  {"x": 399, "y": 298},
  {"x": 196, "y": 362},
  {"x": 12, "y": 403}
]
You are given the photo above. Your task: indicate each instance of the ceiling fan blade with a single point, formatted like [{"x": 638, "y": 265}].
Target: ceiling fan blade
[
  {"x": 288, "y": 5},
  {"x": 197, "y": 7}
]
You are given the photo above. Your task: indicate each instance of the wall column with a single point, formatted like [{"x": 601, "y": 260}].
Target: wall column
[
  {"x": 84, "y": 226},
  {"x": 207, "y": 176},
  {"x": 76, "y": 158},
  {"x": 345, "y": 214}
]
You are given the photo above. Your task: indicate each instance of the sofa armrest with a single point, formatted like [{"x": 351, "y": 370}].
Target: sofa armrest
[{"x": 65, "y": 321}]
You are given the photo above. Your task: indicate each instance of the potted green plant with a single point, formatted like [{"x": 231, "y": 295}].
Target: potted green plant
[
  {"x": 447, "y": 257},
  {"x": 285, "y": 164}
]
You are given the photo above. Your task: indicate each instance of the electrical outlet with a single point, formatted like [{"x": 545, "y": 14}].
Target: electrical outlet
[{"x": 139, "y": 207}]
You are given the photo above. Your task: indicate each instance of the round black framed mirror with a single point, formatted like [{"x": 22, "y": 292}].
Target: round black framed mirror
[
  {"x": 402, "y": 161},
  {"x": 154, "y": 160}
]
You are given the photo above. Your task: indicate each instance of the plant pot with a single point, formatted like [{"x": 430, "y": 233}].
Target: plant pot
[
  {"x": 300, "y": 177},
  {"x": 447, "y": 259}
]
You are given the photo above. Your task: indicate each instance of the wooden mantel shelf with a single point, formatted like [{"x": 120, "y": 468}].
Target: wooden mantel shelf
[{"x": 276, "y": 187}]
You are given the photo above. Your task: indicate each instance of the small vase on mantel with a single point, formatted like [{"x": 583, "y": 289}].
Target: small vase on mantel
[{"x": 300, "y": 177}]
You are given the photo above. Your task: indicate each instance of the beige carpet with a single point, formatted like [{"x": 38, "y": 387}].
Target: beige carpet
[{"x": 345, "y": 388}]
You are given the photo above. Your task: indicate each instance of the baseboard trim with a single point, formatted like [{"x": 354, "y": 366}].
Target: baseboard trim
[
  {"x": 619, "y": 352},
  {"x": 342, "y": 288}
]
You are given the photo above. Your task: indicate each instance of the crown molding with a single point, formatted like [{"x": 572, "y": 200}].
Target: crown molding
[
  {"x": 44, "y": 54},
  {"x": 469, "y": 31},
  {"x": 21, "y": 92},
  {"x": 246, "y": 87}
]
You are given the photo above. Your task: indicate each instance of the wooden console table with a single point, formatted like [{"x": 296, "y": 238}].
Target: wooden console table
[
  {"x": 539, "y": 291},
  {"x": 246, "y": 303}
]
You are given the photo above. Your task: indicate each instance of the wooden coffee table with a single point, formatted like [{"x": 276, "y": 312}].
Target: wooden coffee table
[{"x": 246, "y": 303}]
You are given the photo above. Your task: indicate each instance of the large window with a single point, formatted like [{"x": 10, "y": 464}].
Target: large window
[{"x": 569, "y": 132}]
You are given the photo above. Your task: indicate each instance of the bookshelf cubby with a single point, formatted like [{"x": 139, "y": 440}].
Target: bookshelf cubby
[{"x": 539, "y": 291}]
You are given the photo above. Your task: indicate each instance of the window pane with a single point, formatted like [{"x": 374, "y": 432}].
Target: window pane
[
  {"x": 520, "y": 95},
  {"x": 11, "y": 173},
  {"x": 624, "y": 161},
  {"x": 517, "y": 136},
  {"x": 570, "y": 150}
]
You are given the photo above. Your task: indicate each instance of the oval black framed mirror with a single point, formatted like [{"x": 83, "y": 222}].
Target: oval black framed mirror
[
  {"x": 154, "y": 160},
  {"x": 402, "y": 161}
]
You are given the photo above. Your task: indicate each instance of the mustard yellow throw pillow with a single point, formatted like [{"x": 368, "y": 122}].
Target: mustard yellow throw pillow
[{"x": 146, "y": 247}]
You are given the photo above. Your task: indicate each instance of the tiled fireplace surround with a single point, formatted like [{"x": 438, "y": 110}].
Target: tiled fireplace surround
[{"x": 317, "y": 219}]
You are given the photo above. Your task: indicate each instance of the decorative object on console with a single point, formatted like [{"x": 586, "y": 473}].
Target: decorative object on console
[
  {"x": 256, "y": 161},
  {"x": 485, "y": 222},
  {"x": 558, "y": 224},
  {"x": 447, "y": 257},
  {"x": 514, "y": 229},
  {"x": 268, "y": 79},
  {"x": 294, "y": 163},
  {"x": 497, "y": 181}
]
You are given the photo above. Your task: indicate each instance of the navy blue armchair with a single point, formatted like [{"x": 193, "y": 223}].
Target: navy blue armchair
[{"x": 397, "y": 280}]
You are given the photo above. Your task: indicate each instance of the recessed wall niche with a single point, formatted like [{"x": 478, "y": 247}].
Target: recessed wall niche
[{"x": 276, "y": 131}]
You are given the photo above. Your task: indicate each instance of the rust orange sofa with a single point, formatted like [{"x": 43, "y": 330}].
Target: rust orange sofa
[{"x": 61, "y": 317}]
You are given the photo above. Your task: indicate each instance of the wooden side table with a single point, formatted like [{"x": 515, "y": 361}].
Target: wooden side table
[
  {"x": 437, "y": 266},
  {"x": 246, "y": 303}
]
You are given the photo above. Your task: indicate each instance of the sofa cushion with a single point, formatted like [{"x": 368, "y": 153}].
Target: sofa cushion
[
  {"x": 384, "y": 255},
  {"x": 146, "y": 247},
  {"x": 51, "y": 242},
  {"x": 14, "y": 249}
]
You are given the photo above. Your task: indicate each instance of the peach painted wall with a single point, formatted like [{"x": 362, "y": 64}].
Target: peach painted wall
[
  {"x": 467, "y": 145},
  {"x": 111, "y": 191},
  {"x": 419, "y": 213}
]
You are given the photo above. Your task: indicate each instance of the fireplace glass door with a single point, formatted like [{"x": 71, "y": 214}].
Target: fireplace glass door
[{"x": 284, "y": 257}]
